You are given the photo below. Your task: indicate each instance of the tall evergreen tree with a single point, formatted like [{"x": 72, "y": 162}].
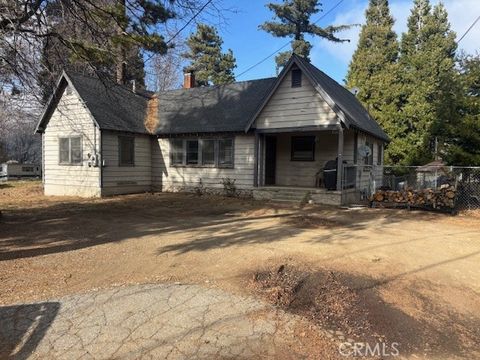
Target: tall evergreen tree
[
  {"x": 462, "y": 139},
  {"x": 294, "y": 22},
  {"x": 210, "y": 64},
  {"x": 373, "y": 69},
  {"x": 427, "y": 60}
]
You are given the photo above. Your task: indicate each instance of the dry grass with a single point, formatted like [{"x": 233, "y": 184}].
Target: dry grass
[{"x": 408, "y": 276}]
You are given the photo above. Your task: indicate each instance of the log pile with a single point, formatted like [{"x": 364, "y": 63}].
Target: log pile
[{"x": 443, "y": 197}]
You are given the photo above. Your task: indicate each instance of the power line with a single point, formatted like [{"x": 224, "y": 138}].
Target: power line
[
  {"x": 288, "y": 43},
  {"x": 183, "y": 27},
  {"x": 189, "y": 21},
  {"x": 468, "y": 30}
]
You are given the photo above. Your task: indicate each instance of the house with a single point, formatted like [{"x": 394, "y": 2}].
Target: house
[
  {"x": 265, "y": 135},
  {"x": 15, "y": 170}
]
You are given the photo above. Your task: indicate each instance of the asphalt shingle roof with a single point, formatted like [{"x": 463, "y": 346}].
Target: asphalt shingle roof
[
  {"x": 223, "y": 108},
  {"x": 113, "y": 106}
]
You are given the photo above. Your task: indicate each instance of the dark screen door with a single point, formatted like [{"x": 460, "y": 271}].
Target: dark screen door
[{"x": 270, "y": 159}]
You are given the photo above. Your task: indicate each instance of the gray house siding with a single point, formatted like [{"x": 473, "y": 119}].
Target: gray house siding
[
  {"x": 71, "y": 118},
  {"x": 185, "y": 178},
  {"x": 295, "y": 107},
  {"x": 118, "y": 179}
]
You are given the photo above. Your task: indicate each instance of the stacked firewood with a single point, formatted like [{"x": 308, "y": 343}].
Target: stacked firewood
[{"x": 443, "y": 197}]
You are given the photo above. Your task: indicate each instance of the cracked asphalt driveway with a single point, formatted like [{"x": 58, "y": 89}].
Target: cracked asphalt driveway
[{"x": 147, "y": 321}]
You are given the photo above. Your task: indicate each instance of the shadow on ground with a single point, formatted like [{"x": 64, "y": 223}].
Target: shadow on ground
[
  {"x": 23, "y": 327},
  {"x": 59, "y": 227}
]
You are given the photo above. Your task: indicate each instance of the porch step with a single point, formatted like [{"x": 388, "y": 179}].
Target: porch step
[{"x": 289, "y": 195}]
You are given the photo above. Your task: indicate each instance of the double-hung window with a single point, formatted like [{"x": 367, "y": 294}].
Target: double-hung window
[
  {"x": 192, "y": 152},
  {"x": 176, "y": 151},
  {"x": 369, "y": 158},
  {"x": 225, "y": 152},
  {"x": 208, "y": 152},
  {"x": 379, "y": 154},
  {"x": 202, "y": 152},
  {"x": 126, "y": 150},
  {"x": 303, "y": 148},
  {"x": 70, "y": 150}
]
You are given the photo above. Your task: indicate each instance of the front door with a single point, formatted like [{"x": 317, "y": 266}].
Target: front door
[{"x": 270, "y": 159}]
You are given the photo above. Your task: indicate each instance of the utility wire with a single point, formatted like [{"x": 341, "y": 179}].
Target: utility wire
[
  {"x": 468, "y": 30},
  {"x": 183, "y": 27},
  {"x": 189, "y": 21},
  {"x": 288, "y": 43}
]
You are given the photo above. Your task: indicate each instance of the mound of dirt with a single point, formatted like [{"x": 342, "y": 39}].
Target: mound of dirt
[{"x": 320, "y": 296}]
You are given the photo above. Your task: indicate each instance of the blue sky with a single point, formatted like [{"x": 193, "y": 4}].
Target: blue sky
[{"x": 250, "y": 44}]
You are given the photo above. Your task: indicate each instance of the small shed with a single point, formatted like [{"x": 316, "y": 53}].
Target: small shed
[{"x": 433, "y": 174}]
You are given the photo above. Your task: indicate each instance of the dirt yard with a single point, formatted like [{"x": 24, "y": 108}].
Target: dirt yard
[{"x": 395, "y": 276}]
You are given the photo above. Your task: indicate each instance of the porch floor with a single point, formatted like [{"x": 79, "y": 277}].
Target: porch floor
[
  {"x": 298, "y": 194},
  {"x": 298, "y": 188}
]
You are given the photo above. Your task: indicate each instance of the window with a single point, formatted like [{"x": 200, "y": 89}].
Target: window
[
  {"x": 303, "y": 148},
  {"x": 296, "y": 78},
  {"x": 208, "y": 152},
  {"x": 70, "y": 150},
  {"x": 369, "y": 158},
  {"x": 176, "y": 151},
  {"x": 126, "y": 150},
  {"x": 379, "y": 154},
  {"x": 225, "y": 152},
  {"x": 202, "y": 152},
  {"x": 192, "y": 152}
]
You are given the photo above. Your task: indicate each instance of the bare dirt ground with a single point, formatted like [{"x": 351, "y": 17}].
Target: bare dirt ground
[{"x": 389, "y": 275}]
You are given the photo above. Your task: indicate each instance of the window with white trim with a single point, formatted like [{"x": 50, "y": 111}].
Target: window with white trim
[
  {"x": 176, "y": 151},
  {"x": 192, "y": 152},
  {"x": 70, "y": 150},
  {"x": 208, "y": 152},
  {"x": 202, "y": 152},
  {"x": 225, "y": 152}
]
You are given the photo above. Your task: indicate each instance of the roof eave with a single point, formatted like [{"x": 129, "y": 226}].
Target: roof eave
[{"x": 54, "y": 100}]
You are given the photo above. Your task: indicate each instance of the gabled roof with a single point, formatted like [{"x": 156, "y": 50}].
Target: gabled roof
[
  {"x": 347, "y": 107},
  {"x": 113, "y": 106},
  {"x": 223, "y": 108}
]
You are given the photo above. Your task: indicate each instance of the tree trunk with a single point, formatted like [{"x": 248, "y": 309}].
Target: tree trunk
[{"x": 121, "y": 65}]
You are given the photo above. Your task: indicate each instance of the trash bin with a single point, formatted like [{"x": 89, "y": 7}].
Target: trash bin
[{"x": 330, "y": 175}]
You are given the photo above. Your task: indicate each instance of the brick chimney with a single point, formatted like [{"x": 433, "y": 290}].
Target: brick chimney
[{"x": 189, "y": 80}]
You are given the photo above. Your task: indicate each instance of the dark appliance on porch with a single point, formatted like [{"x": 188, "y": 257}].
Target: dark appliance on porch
[{"x": 330, "y": 175}]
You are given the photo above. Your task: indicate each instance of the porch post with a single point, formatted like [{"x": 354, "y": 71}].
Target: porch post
[
  {"x": 340, "y": 159},
  {"x": 256, "y": 155}
]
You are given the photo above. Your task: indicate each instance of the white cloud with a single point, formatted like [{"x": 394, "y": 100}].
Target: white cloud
[{"x": 461, "y": 13}]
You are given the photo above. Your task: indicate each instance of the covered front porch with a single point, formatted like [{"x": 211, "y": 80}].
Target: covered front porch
[{"x": 301, "y": 164}]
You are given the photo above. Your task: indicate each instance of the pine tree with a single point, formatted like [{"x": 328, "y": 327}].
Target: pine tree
[
  {"x": 294, "y": 22},
  {"x": 462, "y": 139},
  {"x": 427, "y": 59},
  {"x": 207, "y": 61},
  {"x": 373, "y": 69},
  {"x": 102, "y": 38}
]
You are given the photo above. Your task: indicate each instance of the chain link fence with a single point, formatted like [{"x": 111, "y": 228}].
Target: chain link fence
[{"x": 432, "y": 186}]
